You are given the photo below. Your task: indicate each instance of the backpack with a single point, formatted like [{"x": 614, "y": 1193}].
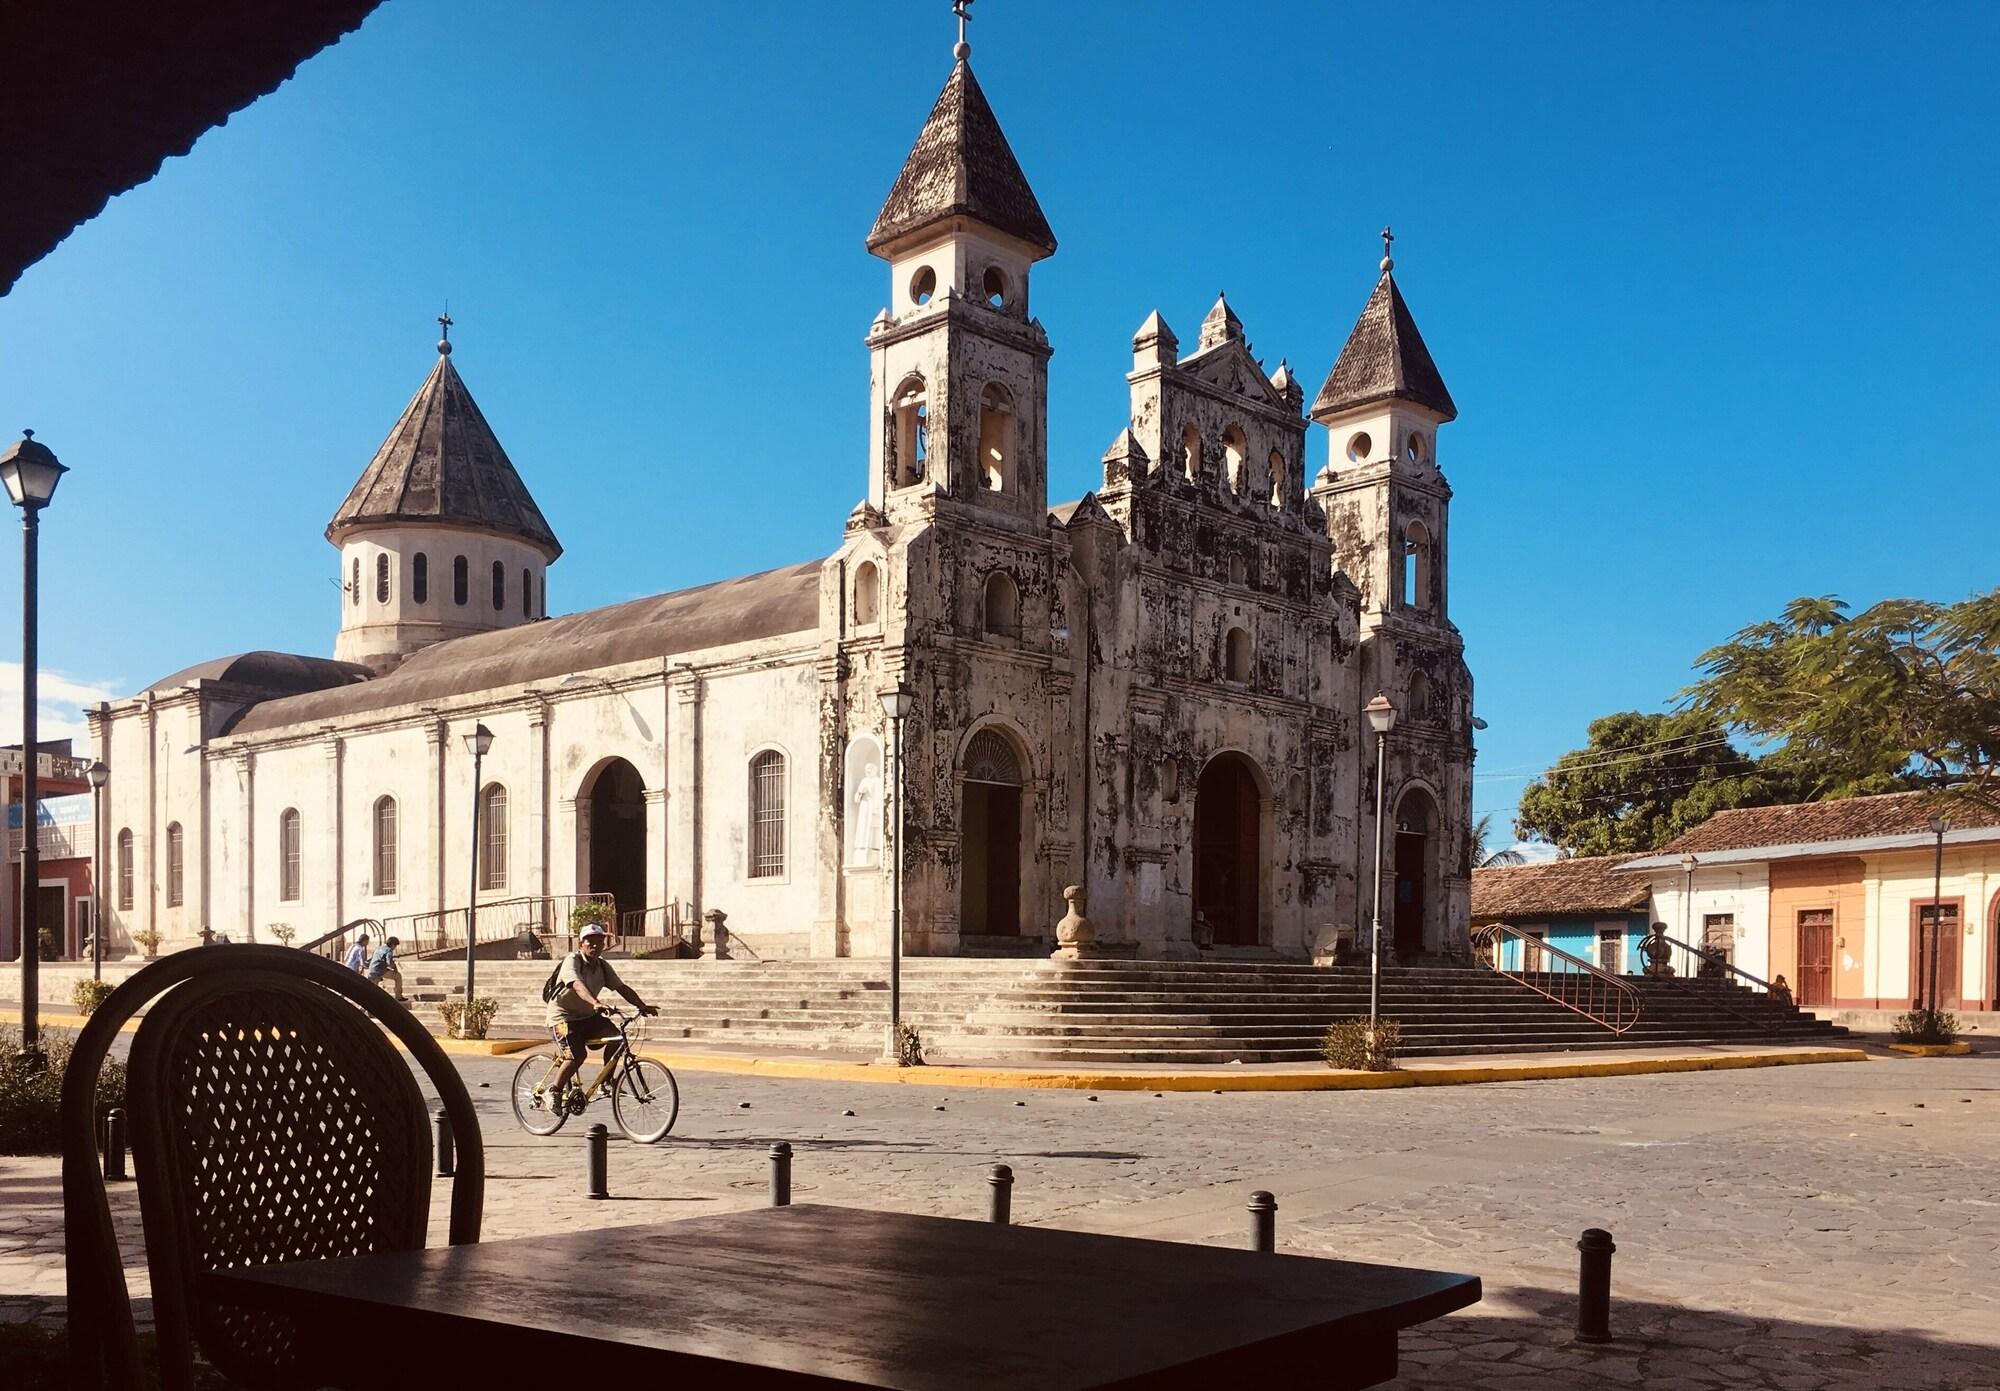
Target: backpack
[{"x": 553, "y": 986}]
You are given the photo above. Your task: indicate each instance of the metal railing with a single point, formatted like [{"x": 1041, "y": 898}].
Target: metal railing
[
  {"x": 1570, "y": 981},
  {"x": 334, "y": 945},
  {"x": 61, "y": 841},
  {"x": 423, "y": 934},
  {"x": 1708, "y": 966}
]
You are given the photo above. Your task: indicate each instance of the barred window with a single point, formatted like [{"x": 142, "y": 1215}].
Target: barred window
[
  {"x": 288, "y": 855},
  {"x": 767, "y": 815},
  {"x": 354, "y": 582},
  {"x": 176, "y": 881},
  {"x": 125, "y": 871},
  {"x": 493, "y": 837},
  {"x": 385, "y": 845},
  {"x": 382, "y": 578},
  {"x": 420, "y": 578}
]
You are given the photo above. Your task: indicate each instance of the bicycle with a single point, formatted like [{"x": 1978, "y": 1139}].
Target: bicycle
[{"x": 645, "y": 1100}]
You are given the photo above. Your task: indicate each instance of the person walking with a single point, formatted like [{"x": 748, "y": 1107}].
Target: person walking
[
  {"x": 357, "y": 955},
  {"x": 382, "y": 966}
]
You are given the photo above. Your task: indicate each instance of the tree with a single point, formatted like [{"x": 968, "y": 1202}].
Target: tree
[
  {"x": 1639, "y": 782},
  {"x": 1484, "y": 858},
  {"x": 1905, "y": 694}
]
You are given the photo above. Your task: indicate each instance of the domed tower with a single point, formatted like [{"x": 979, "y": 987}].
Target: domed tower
[{"x": 439, "y": 537}]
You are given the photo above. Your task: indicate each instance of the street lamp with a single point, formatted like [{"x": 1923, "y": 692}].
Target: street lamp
[
  {"x": 1381, "y": 718},
  {"x": 99, "y": 775},
  {"x": 1938, "y": 827},
  {"x": 1687, "y": 900},
  {"x": 30, "y": 472},
  {"x": 476, "y": 744},
  {"x": 896, "y": 705}
]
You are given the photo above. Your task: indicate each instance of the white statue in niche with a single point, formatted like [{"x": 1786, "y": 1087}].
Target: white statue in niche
[{"x": 864, "y": 803}]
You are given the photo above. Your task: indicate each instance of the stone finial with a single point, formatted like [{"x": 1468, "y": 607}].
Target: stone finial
[
  {"x": 1126, "y": 460},
  {"x": 1074, "y": 934},
  {"x": 1221, "y": 324}
]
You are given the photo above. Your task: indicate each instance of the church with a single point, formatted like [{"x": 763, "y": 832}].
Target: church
[{"x": 1159, "y": 692}]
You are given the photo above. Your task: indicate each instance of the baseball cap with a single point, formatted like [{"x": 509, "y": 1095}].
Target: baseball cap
[{"x": 593, "y": 930}]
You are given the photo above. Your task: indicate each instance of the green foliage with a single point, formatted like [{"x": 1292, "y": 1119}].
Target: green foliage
[
  {"x": 29, "y": 1099},
  {"x": 148, "y": 939},
  {"x": 462, "y": 1022},
  {"x": 909, "y": 1046},
  {"x": 1355, "y": 1045},
  {"x": 282, "y": 933},
  {"x": 1925, "y": 1026},
  {"x": 593, "y": 910},
  {"x": 1906, "y": 693},
  {"x": 87, "y": 995},
  {"x": 1641, "y": 781}
]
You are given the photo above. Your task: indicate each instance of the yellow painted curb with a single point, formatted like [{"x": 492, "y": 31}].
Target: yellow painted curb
[
  {"x": 1934, "y": 1050},
  {"x": 1325, "y": 1080},
  {"x": 464, "y": 1047}
]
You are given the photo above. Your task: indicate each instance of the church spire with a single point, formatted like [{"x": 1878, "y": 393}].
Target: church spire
[{"x": 1385, "y": 358}]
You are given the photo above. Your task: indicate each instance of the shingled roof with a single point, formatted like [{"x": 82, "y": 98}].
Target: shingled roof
[
  {"x": 1385, "y": 359},
  {"x": 1807, "y": 823},
  {"x": 1559, "y": 889},
  {"x": 443, "y": 464},
  {"x": 962, "y": 164}
]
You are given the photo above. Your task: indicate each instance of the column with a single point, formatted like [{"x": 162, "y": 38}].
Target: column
[{"x": 246, "y": 774}]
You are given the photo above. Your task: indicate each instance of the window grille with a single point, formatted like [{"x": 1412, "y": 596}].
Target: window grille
[
  {"x": 767, "y": 815},
  {"x": 125, "y": 871},
  {"x": 288, "y": 852},
  {"x": 493, "y": 838},
  {"x": 385, "y": 845},
  {"x": 990, "y": 758},
  {"x": 382, "y": 578},
  {"x": 176, "y": 883},
  {"x": 354, "y": 582}
]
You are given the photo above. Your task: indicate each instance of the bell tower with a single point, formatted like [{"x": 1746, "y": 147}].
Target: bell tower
[{"x": 958, "y": 369}]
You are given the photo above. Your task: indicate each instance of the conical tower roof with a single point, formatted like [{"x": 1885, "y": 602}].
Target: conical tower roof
[
  {"x": 443, "y": 465},
  {"x": 1385, "y": 359},
  {"x": 962, "y": 165}
]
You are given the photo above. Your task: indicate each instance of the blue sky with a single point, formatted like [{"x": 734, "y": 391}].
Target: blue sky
[{"x": 1714, "y": 287}]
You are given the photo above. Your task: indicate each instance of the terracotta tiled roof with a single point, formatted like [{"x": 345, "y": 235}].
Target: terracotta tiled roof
[
  {"x": 1804, "y": 823},
  {"x": 442, "y": 463},
  {"x": 1385, "y": 359},
  {"x": 962, "y": 164},
  {"x": 1560, "y": 888}
]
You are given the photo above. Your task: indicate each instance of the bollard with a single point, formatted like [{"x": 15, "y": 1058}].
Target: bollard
[
  {"x": 1263, "y": 1221},
  {"x": 447, "y": 1165},
  {"x": 1001, "y": 1182},
  {"x": 114, "y": 1143},
  {"x": 596, "y": 1150},
  {"x": 1593, "y": 1304},
  {"x": 781, "y": 1174}
]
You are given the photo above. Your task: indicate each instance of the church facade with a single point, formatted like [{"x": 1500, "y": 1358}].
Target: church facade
[{"x": 1156, "y": 692}]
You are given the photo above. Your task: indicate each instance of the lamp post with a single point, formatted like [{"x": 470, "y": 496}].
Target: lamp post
[
  {"x": 1938, "y": 827},
  {"x": 99, "y": 775},
  {"x": 896, "y": 705},
  {"x": 30, "y": 472},
  {"x": 1381, "y": 718},
  {"x": 476, "y": 744},
  {"x": 1687, "y": 898}
]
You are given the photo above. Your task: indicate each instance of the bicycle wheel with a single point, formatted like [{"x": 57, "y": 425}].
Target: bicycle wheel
[
  {"x": 537, "y": 1115},
  {"x": 646, "y": 1101}
]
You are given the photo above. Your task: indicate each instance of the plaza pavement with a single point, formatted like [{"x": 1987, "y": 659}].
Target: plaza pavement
[{"x": 1787, "y": 1228}]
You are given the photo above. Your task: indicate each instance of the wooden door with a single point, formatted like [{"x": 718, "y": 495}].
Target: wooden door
[
  {"x": 1945, "y": 943},
  {"x": 1815, "y": 958},
  {"x": 1531, "y": 953}
]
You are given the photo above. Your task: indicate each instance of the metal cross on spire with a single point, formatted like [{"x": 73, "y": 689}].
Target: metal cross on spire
[
  {"x": 444, "y": 324},
  {"x": 962, "y": 8},
  {"x": 1387, "y": 237}
]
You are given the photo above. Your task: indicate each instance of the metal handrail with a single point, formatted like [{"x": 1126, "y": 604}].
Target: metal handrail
[
  {"x": 1716, "y": 958},
  {"x": 1585, "y": 989},
  {"x": 333, "y": 944}
]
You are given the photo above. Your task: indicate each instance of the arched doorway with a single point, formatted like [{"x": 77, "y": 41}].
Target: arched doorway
[
  {"x": 990, "y": 888},
  {"x": 613, "y": 852},
  {"x": 1416, "y": 887},
  {"x": 1228, "y": 850}
]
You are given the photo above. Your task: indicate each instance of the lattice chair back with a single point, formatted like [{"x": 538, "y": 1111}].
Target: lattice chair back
[{"x": 271, "y": 1120}]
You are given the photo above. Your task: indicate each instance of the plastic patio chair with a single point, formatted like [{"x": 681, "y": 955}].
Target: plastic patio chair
[{"x": 271, "y": 1120}]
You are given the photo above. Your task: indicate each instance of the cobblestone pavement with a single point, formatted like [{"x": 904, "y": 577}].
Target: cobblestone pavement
[{"x": 1791, "y": 1228}]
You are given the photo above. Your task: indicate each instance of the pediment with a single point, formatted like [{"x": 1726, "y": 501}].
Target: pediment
[{"x": 1230, "y": 367}]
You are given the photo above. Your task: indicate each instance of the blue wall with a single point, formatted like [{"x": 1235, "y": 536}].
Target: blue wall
[{"x": 1578, "y": 937}]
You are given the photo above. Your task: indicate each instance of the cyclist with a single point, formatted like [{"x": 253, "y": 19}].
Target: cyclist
[{"x": 574, "y": 1016}]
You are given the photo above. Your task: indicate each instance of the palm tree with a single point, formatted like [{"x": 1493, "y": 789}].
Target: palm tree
[{"x": 1482, "y": 858}]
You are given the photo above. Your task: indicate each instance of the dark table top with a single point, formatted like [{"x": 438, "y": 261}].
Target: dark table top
[{"x": 832, "y": 1295}]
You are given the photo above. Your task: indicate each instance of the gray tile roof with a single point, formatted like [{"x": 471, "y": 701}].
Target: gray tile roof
[
  {"x": 962, "y": 164},
  {"x": 1385, "y": 359},
  {"x": 443, "y": 464},
  {"x": 272, "y": 673}
]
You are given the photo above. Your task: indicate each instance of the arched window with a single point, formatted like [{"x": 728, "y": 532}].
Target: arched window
[
  {"x": 288, "y": 855},
  {"x": 382, "y": 577},
  {"x": 767, "y": 815},
  {"x": 125, "y": 871},
  {"x": 1191, "y": 453},
  {"x": 1003, "y": 606},
  {"x": 420, "y": 578},
  {"x": 1417, "y": 566},
  {"x": 1420, "y": 697},
  {"x": 499, "y": 587},
  {"x": 493, "y": 837},
  {"x": 910, "y": 439},
  {"x": 385, "y": 845},
  {"x": 461, "y": 580},
  {"x": 176, "y": 865},
  {"x": 1236, "y": 656},
  {"x": 867, "y": 593},
  {"x": 354, "y": 582},
  {"x": 1276, "y": 463},
  {"x": 996, "y": 438},
  {"x": 1236, "y": 460},
  {"x": 527, "y": 592},
  {"x": 1237, "y": 569}
]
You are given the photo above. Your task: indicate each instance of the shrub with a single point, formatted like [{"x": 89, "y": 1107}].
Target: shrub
[
  {"x": 29, "y": 1099},
  {"x": 282, "y": 933},
  {"x": 1355, "y": 1044},
  {"x": 87, "y": 995},
  {"x": 148, "y": 939},
  {"x": 462, "y": 1022},
  {"x": 1925, "y": 1026},
  {"x": 909, "y": 1046}
]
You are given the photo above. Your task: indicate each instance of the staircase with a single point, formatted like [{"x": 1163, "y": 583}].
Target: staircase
[{"x": 1120, "y": 1012}]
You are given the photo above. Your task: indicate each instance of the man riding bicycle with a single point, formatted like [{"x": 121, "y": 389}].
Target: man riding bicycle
[{"x": 574, "y": 1016}]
